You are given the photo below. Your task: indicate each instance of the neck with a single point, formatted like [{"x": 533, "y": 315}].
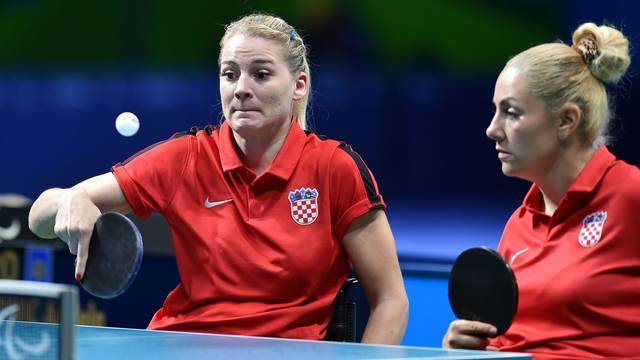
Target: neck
[
  {"x": 258, "y": 151},
  {"x": 556, "y": 182}
]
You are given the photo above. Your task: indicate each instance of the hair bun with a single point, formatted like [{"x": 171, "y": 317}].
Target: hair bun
[{"x": 604, "y": 49}]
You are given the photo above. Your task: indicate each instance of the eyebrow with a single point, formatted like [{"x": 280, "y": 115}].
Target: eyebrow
[
  {"x": 507, "y": 101},
  {"x": 253, "y": 62}
]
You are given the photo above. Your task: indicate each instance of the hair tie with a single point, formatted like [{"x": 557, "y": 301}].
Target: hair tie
[
  {"x": 588, "y": 48},
  {"x": 293, "y": 36}
]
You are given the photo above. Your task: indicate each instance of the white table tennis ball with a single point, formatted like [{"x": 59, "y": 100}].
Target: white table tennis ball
[{"x": 127, "y": 124}]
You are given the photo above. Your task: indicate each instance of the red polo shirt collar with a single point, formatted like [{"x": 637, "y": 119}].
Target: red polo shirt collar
[
  {"x": 285, "y": 161},
  {"x": 586, "y": 181}
]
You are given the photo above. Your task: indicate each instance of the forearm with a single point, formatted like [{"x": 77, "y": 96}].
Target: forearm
[
  {"x": 101, "y": 191},
  {"x": 42, "y": 216},
  {"x": 387, "y": 322}
]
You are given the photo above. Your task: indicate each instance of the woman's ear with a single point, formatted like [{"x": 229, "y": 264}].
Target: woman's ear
[
  {"x": 570, "y": 118},
  {"x": 302, "y": 86}
]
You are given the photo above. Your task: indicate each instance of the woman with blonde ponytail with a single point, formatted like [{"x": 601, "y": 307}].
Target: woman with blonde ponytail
[
  {"x": 267, "y": 219},
  {"x": 574, "y": 243}
]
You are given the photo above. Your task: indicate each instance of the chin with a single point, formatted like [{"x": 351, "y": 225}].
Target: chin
[
  {"x": 516, "y": 172},
  {"x": 244, "y": 124},
  {"x": 509, "y": 170}
]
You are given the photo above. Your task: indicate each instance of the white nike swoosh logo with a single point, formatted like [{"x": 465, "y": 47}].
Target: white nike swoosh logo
[
  {"x": 10, "y": 232},
  {"x": 209, "y": 205},
  {"x": 513, "y": 258}
]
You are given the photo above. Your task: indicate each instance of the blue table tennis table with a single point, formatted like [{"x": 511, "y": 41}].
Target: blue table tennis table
[{"x": 101, "y": 343}]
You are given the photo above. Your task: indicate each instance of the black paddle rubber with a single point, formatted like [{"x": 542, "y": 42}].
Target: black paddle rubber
[
  {"x": 482, "y": 287},
  {"x": 115, "y": 256}
]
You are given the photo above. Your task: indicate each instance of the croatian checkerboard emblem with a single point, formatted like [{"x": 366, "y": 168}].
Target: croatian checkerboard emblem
[
  {"x": 592, "y": 228},
  {"x": 304, "y": 205}
]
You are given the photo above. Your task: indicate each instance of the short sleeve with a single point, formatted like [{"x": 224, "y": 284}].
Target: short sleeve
[
  {"x": 354, "y": 190},
  {"x": 150, "y": 178}
]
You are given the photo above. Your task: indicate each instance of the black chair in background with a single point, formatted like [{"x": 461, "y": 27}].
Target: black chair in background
[{"x": 350, "y": 314}]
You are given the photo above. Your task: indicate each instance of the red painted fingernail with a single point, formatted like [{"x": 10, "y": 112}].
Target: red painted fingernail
[{"x": 78, "y": 277}]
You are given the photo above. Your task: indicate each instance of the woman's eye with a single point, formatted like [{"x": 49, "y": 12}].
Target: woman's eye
[
  {"x": 262, "y": 75},
  {"x": 512, "y": 113},
  {"x": 227, "y": 75}
]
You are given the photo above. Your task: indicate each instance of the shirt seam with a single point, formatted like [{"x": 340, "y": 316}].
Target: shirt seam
[{"x": 182, "y": 171}]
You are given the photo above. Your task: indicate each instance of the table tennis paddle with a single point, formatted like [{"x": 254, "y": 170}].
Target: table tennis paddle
[
  {"x": 482, "y": 287},
  {"x": 115, "y": 256}
]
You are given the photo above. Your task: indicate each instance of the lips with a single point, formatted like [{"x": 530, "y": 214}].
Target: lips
[
  {"x": 502, "y": 153},
  {"x": 244, "y": 109},
  {"x": 501, "y": 150}
]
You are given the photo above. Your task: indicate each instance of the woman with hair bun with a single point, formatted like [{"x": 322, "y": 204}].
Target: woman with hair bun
[{"x": 574, "y": 243}]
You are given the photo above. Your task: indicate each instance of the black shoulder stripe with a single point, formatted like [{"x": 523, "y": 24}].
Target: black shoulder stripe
[
  {"x": 132, "y": 157},
  {"x": 180, "y": 134},
  {"x": 367, "y": 179},
  {"x": 321, "y": 137},
  {"x": 192, "y": 131},
  {"x": 209, "y": 129}
]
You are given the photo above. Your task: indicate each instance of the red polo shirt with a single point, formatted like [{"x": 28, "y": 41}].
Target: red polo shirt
[
  {"x": 256, "y": 255},
  {"x": 578, "y": 271}
]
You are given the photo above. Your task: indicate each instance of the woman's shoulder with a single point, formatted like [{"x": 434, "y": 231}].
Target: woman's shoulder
[
  {"x": 624, "y": 179},
  {"x": 321, "y": 141},
  {"x": 196, "y": 133},
  {"x": 195, "y": 139},
  {"x": 175, "y": 146},
  {"x": 623, "y": 172},
  {"x": 337, "y": 152},
  {"x": 330, "y": 145}
]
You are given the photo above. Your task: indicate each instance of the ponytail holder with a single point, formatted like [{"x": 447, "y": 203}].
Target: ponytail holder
[
  {"x": 588, "y": 49},
  {"x": 293, "y": 36}
]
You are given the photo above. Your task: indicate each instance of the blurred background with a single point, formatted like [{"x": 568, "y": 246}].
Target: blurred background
[{"x": 408, "y": 84}]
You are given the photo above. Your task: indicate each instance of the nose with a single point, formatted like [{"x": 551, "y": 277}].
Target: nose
[
  {"x": 494, "y": 130},
  {"x": 243, "y": 88}
]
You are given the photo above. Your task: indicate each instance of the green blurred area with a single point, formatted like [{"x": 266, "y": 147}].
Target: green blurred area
[
  {"x": 164, "y": 33},
  {"x": 459, "y": 32}
]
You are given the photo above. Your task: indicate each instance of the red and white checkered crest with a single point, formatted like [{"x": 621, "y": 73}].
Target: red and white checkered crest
[
  {"x": 592, "y": 229},
  {"x": 304, "y": 205}
]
